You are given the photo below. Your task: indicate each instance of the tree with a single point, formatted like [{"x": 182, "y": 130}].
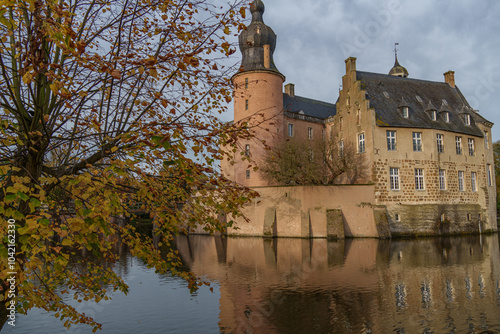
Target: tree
[
  {"x": 496, "y": 152},
  {"x": 303, "y": 163},
  {"x": 106, "y": 106}
]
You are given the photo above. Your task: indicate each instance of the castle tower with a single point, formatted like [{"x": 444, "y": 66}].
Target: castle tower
[{"x": 258, "y": 97}]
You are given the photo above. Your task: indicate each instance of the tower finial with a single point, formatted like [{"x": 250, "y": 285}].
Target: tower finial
[
  {"x": 257, "y": 9},
  {"x": 396, "y": 51}
]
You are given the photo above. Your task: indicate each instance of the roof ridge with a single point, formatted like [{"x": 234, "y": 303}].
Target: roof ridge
[
  {"x": 309, "y": 99},
  {"x": 402, "y": 78}
]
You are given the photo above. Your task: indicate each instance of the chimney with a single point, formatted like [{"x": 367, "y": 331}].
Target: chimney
[
  {"x": 350, "y": 65},
  {"x": 267, "y": 56},
  {"x": 290, "y": 90},
  {"x": 449, "y": 78}
]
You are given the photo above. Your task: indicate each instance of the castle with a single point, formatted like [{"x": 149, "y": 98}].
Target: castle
[{"x": 429, "y": 155}]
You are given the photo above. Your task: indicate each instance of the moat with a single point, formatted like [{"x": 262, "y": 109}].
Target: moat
[{"x": 428, "y": 285}]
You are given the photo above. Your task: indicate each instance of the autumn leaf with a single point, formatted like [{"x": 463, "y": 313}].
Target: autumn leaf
[{"x": 116, "y": 74}]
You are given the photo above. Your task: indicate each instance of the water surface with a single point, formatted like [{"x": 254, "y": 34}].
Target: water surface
[{"x": 432, "y": 285}]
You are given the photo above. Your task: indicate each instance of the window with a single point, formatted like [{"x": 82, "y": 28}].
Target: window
[
  {"x": 458, "y": 145},
  {"x": 361, "y": 143},
  {"x": 434, "y": 115},
  {"x": 246, "y": 104},
  {"x": 341, "y": 149},
  {"x": 406, "y": 112},
  {"x": 310, "y": 133},
  {"x": 461, "y": 181},
  {"x": 246, "y": 83},
  {"x": 442, "y": 179},
  {"x": 248, "y": 173},
  {"x": 394, "y": 178},
  {"x": 446, "y": 117},
  {"x": 440, "y": 143},
  {"x": 473, "y": 180},
  {"x": 398, "y": 218},
  {"x": 341, "y": 123},
  {"x": 417, "y": 141},
  {"x": 358, "y": 116},
  {"x": 290, "y": 130},
  {"x": 486, "y": 140},
  {"x": 471, "y": 147},
  {"x": 391, "y": 140},
  {"x": 419, "y": 179},
  {"x": 490, "y": 179},
  {"x": 467, "y": 119},
  {"x": 247, "y": 150},
  {"x": 311, "y": 155}
]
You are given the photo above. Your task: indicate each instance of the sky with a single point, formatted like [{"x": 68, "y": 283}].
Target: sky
[{"x": 314, "y": 37}]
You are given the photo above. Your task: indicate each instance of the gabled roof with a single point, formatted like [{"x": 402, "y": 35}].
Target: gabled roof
[
  {"x": 386, "y": 92},
  {"x": 309, "y": 107}
]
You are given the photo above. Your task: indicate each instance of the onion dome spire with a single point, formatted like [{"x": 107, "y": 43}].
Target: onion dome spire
[
  {"x": 398, "y": 70},
  {"x": 257, "y": 42}
]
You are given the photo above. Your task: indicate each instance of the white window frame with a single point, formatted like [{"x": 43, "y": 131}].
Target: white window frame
[
  {"x": 417, "y": 142},
  {"x": 361, "y": 143},
  {"x": 458, "y": 145},
  {"x": 473, "y": 181},
  {"x": 461, "y": 180},
  {"x": 394, "y": 178},
  {"x": 442, "y": 179},
  {"x": 447, "y": 117},
  {"x": 467, "y": 119},
  {"x": 391, "y": 140},
  {"x": 406, "y": 112},
  {"x": 291, "y": 131},
  {"x": 472, "y": 147},
  {"x": 310, "y": 133},
  {"x": 419, "y": 179},
  {"x": 440, "y": 143}
]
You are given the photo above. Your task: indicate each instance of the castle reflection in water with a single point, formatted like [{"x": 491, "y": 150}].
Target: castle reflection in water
[{"x": 432, "y": 285}]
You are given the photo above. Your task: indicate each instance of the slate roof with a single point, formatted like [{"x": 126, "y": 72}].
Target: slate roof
[
  {"x": 310, "y": 107},
  {"x": 388, "y": 93}
]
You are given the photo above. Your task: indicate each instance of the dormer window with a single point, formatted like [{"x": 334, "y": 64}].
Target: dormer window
[
  {"x": 406, "y": 112},
  {"x": 433, "y": 115},
  {"x": 446, "y": 116},
  {"x": 467, "y": 119}
]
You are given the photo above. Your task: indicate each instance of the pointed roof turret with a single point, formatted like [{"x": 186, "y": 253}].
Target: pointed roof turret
[
  {"x": 257, "y": 42},
  {"x": 398, "y": 70}
]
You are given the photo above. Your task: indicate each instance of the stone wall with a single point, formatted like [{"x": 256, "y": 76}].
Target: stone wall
[
  {"x": 435, "y": 219},
  {"x": 310, "y": 211}
]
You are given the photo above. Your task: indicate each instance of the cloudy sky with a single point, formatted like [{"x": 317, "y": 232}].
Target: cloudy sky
[{"x": 434, "y": 36}]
